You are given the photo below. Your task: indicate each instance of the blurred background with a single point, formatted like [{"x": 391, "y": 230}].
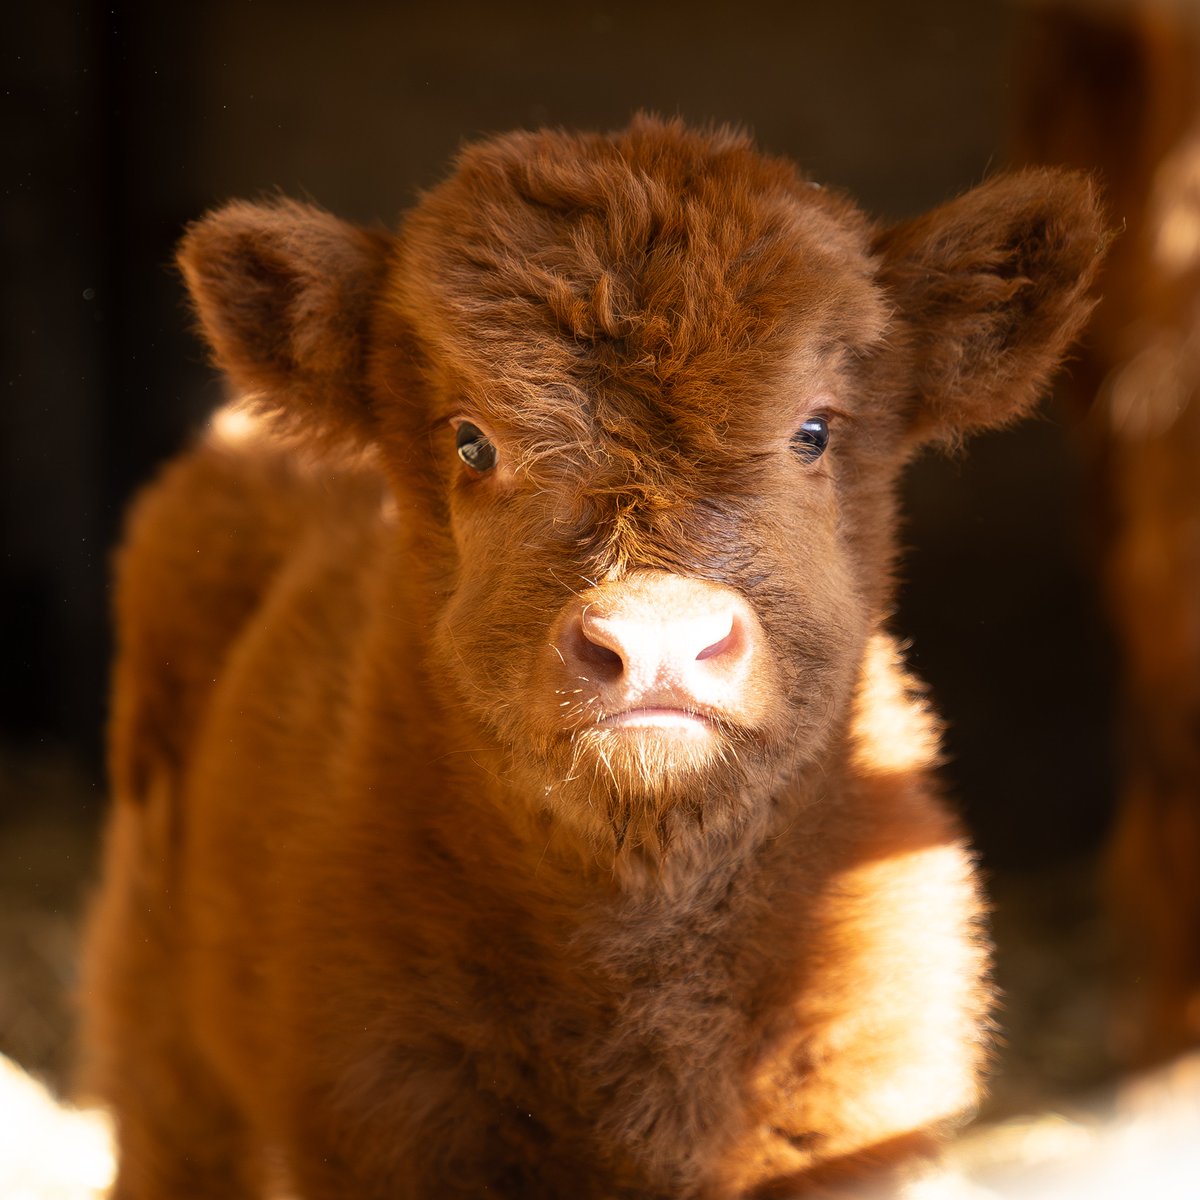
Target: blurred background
[{"x": 1020, "y": 599}]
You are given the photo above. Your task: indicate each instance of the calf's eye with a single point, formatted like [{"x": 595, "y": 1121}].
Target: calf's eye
[
  {"x": 474, "y": 448},
  {"x": 810, "y": 440}
]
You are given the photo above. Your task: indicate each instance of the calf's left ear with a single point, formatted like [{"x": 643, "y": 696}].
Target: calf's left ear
[
  {"x": 285, "y": 294},
  {"x": 990, "y": 290}
]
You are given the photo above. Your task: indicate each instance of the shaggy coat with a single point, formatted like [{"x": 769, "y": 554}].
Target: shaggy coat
[{"x": 517, "y": 792}]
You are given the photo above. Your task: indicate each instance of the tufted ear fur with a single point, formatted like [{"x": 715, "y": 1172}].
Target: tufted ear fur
[
  {"x": 990, "y": 289},
  {"x": 285, "y": 294}
]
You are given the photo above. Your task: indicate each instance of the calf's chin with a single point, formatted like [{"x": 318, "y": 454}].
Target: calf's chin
[{"x": 517, "y": 790}]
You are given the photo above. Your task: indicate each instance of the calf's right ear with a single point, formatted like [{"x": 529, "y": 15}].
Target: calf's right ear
[
  {"x": 990, "y": 290},
  {"x": 285, "y": 294}
]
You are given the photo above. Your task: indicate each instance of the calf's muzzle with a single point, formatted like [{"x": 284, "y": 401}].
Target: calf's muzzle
[{"x": 654, "y": 648}]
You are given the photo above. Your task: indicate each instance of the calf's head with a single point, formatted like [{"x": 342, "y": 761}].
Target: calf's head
[{"x": 643, "y": 399}]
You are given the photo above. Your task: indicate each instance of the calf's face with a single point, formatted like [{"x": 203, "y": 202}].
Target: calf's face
[{"x": 643, "y": 399}]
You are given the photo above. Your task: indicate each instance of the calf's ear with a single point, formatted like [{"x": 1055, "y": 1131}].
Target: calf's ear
[
  {"x": 285, "y": 295},
  {"x": 989, "y": 290}
]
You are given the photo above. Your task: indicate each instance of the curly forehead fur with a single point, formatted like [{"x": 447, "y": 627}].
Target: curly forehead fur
[{"x": 681, "y": 271}]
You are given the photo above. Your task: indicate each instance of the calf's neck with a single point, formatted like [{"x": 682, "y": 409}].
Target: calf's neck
[{"x": 517, "y": 791}]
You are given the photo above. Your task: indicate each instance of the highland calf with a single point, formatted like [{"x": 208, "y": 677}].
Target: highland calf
[{"x": 517, "y": 791}]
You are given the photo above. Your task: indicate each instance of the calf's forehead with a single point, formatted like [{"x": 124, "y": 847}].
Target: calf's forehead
[{"x": 657, "y": 273}]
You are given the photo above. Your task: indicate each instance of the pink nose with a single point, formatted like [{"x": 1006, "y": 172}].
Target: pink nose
[{"x": 659, "y": 641}]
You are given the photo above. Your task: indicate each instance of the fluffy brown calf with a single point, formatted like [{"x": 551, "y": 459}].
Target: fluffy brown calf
[{"x": 517, "y": 792}]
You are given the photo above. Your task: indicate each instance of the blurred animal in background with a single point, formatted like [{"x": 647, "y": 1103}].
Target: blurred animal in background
[
  {"x": 1115, "y": 89},
  {"x": 517, "y": 789}
]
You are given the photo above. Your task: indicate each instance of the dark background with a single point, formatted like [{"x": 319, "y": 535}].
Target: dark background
[{"x": 122, "y": 123}]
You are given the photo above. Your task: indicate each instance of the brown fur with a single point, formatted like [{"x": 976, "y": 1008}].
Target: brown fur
[
  {"x": 386, "y": 915},
  {"x": 1117, "y": 90}
]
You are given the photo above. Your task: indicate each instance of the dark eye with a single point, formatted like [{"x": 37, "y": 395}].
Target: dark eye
[
  {"x": 474, "y": 448},
  {"x": 810, "y": 440}
]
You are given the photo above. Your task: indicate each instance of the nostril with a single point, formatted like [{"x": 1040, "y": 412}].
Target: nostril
[
  {"x": 726, "y": 645},
  {"x": 601, "y": 655},
  {"x": 717, "y": 648},
  {"x": 585, "y": 646}
]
